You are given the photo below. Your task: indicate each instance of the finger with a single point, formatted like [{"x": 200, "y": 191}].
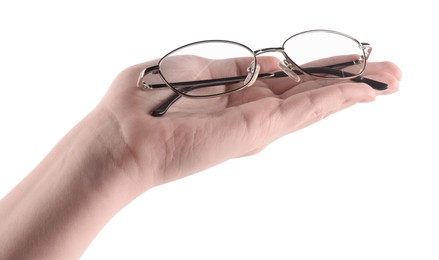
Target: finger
[
  {"x": 383, "y": 71},
  {"x": 386, "y": 72},
  {"x": 284, "y": 83},
  {"x": 306, "y": 108},
  {"x": 257, "y": 124},
  {"x": 376, "y": 67},
  {"x": 391, "y": 81},
  {"x": 281, "y": 85}
]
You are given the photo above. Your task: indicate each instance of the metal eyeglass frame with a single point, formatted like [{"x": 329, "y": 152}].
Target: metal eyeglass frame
[{"x": 289, "y": 68}]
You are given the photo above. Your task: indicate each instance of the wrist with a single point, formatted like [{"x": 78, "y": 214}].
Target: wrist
[
  {"x": 102, "y": 151},
  {"x": 59, "y": 208}
]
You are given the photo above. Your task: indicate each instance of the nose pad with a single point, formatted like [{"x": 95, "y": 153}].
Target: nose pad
[
  {"x": 288, "y": 69},
  {"x": 253, "y": 72}
]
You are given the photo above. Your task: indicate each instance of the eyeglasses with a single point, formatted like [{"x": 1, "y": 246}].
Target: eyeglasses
[{"x": 219, "y": 67}]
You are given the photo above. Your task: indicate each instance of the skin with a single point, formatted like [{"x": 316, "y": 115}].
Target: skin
[{"x": 119, "y": 151}]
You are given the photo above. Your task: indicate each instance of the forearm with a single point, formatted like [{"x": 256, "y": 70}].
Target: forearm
[{"x": 60, "y": 207}]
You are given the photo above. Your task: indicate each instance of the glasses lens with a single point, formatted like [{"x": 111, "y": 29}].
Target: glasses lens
[
  {"x": 326, "y": 54},
  {"x": 208, "y": 68}
]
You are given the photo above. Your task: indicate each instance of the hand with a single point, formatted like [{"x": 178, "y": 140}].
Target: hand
[
  {"x": 119, "y": 151},
  {"x": 199, "y": 133}
]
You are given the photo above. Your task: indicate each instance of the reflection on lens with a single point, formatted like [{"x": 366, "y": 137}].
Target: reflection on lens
[
  {"x": 325, "y": 53},
  {"x": 207, "y": 68}
]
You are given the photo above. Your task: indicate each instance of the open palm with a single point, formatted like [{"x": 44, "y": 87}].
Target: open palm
[{"x": 198, "y": 133}]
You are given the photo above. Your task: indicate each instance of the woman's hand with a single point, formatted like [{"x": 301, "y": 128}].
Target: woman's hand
[
  {"x": 198, "y": 133},
  {"x": 119, "y": 151}
]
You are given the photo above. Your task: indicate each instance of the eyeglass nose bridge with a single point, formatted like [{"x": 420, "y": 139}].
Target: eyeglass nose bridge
[{"x": 287, "y": 65}]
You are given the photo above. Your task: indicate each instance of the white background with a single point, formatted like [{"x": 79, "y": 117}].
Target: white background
[{"x": 361, "y": 184}]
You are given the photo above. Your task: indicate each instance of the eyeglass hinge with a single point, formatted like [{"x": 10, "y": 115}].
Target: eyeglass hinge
[
  {"x": 146, "y": 85},
  {"x": 150, "y": 70}
]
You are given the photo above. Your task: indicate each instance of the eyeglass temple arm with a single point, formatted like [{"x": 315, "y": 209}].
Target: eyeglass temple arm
[
  {"x": 163, "y": 108},
  {"x": 230, "y": 80},
  {"x": 378, "y": 85}
]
